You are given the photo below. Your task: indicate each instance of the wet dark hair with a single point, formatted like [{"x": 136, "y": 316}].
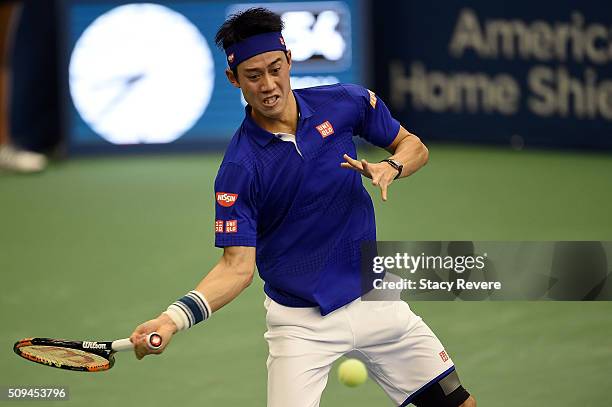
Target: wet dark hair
[{"x": 245, "y": 24}]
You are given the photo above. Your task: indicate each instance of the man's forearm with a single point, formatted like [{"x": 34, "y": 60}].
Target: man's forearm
[
  {"x": 412, "y": 154},
  {"x": 227, "y": 279},
  {"x": 225, "y": 282}
]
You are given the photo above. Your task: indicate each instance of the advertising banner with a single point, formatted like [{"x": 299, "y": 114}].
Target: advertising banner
[{"x": 519, "y": 72}]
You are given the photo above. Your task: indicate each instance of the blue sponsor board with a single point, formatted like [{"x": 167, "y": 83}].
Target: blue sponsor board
[
  {"x": 144, "y": 76},
  {"x": 520, "y": 72}
]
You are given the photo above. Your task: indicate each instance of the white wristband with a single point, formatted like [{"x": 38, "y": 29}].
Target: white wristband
[
  {"x": 178, "y": 317},
  {"x": 189, "y": 310}
]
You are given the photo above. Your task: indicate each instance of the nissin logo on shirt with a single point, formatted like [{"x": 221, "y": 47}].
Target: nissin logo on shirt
[
  {"x": 325, "y": 129},
  {"x": 226, "y": 199}
]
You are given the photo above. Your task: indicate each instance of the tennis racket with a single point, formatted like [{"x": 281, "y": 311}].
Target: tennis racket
[{"x": 84, "y": 356}]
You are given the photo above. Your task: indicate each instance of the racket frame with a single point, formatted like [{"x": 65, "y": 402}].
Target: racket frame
[{"x": 104, "y": 349}]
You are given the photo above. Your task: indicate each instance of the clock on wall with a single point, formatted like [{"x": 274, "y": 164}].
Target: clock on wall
[{"x": 141, "y": 73}]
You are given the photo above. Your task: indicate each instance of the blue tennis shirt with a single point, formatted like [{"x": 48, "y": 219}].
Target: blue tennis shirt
[{"x": 306, "y": 215}]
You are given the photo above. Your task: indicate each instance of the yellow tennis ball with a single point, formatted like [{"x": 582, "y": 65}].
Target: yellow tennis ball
[{"x": 352, "y": 373}]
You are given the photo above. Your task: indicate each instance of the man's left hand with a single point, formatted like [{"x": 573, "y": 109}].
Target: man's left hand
[{"x": 381, "y": 174}]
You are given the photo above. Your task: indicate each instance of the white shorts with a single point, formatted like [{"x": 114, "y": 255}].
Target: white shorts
[{"x": 400, "y": 351}]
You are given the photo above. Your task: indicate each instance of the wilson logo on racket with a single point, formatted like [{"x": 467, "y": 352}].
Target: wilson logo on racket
[
  {"x": 226, "y": 199},
  {"x": 93, "y": 345}
]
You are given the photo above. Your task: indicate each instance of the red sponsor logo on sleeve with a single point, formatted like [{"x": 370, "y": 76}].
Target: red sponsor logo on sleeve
[
  {"x": 443, "y": 356},
  {"x": 325, "y": 128},
  {"x": 226, "y": 199},
  {"x": 231, "y": 226},
  {"x": 218, "y": 226}
]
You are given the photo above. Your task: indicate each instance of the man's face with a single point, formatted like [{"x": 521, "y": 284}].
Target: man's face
[{"x": 264, "y": 81}]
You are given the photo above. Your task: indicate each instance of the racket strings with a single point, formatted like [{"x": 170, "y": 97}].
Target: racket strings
[{"x": 59, "y": 356}]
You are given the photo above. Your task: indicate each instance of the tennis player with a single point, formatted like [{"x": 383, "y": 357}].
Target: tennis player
[{"x": 289, "y": 199}]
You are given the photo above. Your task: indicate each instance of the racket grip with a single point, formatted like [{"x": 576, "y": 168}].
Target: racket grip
[
  {"x": 153, "y": 341},
  {"x": 121, "y": 345}
]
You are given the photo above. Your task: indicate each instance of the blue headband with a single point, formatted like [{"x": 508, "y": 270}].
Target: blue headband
[{"x": 255, "y": 45}]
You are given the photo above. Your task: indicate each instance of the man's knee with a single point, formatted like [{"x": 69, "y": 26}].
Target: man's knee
[
  {"x": 435, "y": 396},
  {"x": 447, "y": 392}
]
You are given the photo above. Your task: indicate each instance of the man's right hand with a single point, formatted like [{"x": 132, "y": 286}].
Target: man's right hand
[{"x": 163, "y": 325}]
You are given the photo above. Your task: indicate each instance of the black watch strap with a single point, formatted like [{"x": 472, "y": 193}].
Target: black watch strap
[{"x": 395, "y": 164}]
